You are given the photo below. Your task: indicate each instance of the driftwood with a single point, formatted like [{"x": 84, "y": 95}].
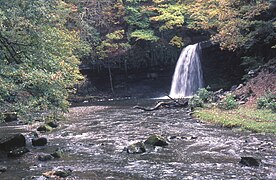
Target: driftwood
[{"x": 163, "y": 104}]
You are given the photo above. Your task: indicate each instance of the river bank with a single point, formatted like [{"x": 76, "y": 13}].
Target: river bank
[{"x": 245, "y": 118}]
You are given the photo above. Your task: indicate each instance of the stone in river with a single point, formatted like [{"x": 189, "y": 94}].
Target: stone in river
[{"x": 156, "y": 140}]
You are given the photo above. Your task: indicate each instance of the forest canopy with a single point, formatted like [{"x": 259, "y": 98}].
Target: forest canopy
[
  {"x": 39, "y": 55},
  {"x": 42, "y": 41}
]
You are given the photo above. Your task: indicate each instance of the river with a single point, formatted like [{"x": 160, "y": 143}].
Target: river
[{"x": 94, "y": 137}]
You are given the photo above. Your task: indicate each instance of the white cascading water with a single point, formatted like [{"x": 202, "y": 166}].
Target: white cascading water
[{"x": 187, "y": 78}]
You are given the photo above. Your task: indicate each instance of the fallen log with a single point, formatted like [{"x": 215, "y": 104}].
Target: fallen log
[{"x": 163, "y": 104}]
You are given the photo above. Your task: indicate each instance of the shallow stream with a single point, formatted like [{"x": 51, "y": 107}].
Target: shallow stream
[{"x": 94, "y": 137}]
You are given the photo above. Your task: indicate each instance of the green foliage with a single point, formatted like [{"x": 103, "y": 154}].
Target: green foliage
[
  {"x": 232, "y": 23},
  {"x": 267, "y": 102},
  {"x": 39, "y": 55},
  {"x": 195, "y": 101},
  {"x": 205, "y": 95},
  {"x": 112, "y": 45},
  {"x": 172, "y": 15},
  {"x": 228, "y": 103},
  {"x": 260, "y": 120},
  {"x": 147, "y": 35},
  {"x": 202, "y": 96},
  {"x": 177, "y": 41}
]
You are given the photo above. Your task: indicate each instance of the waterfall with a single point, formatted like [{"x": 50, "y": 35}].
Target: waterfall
[{"x": 187, "y": 78}]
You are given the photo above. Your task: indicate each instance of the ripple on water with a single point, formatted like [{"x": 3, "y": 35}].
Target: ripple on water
[{"x": 94, "y": 137}]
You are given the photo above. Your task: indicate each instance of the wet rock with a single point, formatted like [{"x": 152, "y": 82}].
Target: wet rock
[
  {"x": 62, "y": 173},
  {"x": 10, "y": 116},
  {"x": 3, "y": 169},
  {"x": 250, "y": 161},
  {"x": 44, "y": 128},
  {"x": 17, "y": 152},
  {"x": 52, "y": 124},
  {"x": 57, "y": 154},
  {"x": 136, "y": 148},
  {"x": 12, "y": 141},
  {"x": 39, "y": 141},
  {"x": 156, "y": 140},
  {"x": 45, "y": 157}
]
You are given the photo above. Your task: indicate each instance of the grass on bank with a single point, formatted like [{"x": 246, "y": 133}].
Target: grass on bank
[{"x": 256, "y": 120}]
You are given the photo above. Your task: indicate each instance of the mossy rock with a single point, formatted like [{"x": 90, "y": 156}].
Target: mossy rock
[
  {"x": 57, "y": 154},
  {"x": 156, "y": 140},
  {"x": 44, "y": 128},
  {"x": 136, "y": 148}
]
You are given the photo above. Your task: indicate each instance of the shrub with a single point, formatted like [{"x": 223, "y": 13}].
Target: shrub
[
  {"x": 228, "y": 103},
  {"x": 196, "y": 101},
  {"x": 267, "y": 102},
  {"x": 202, "y": 96},
  {"x": 205, "y": 95}
]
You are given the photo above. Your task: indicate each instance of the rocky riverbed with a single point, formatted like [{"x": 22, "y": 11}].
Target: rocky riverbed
[{"x": 92, "y": 145}]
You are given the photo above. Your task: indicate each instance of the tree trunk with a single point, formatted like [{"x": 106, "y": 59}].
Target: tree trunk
[{"x": 110, "y": 78}]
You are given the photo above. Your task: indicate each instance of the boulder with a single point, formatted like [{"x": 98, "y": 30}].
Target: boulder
[
  {"x": 136, "y": 148},
  {"x": 12, "y": 141},
  {"x": 156, "y": 140},
  {"x": 18, "y": 152},
  {"x": 39, "y": 141},
  {"x": 10, "y": 116},
  {"x": 250, "y": 161},
  {"x": 44, "y": 128}
]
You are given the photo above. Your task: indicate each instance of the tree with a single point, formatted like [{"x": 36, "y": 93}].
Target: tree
[{"x": 39, "y": 55}]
